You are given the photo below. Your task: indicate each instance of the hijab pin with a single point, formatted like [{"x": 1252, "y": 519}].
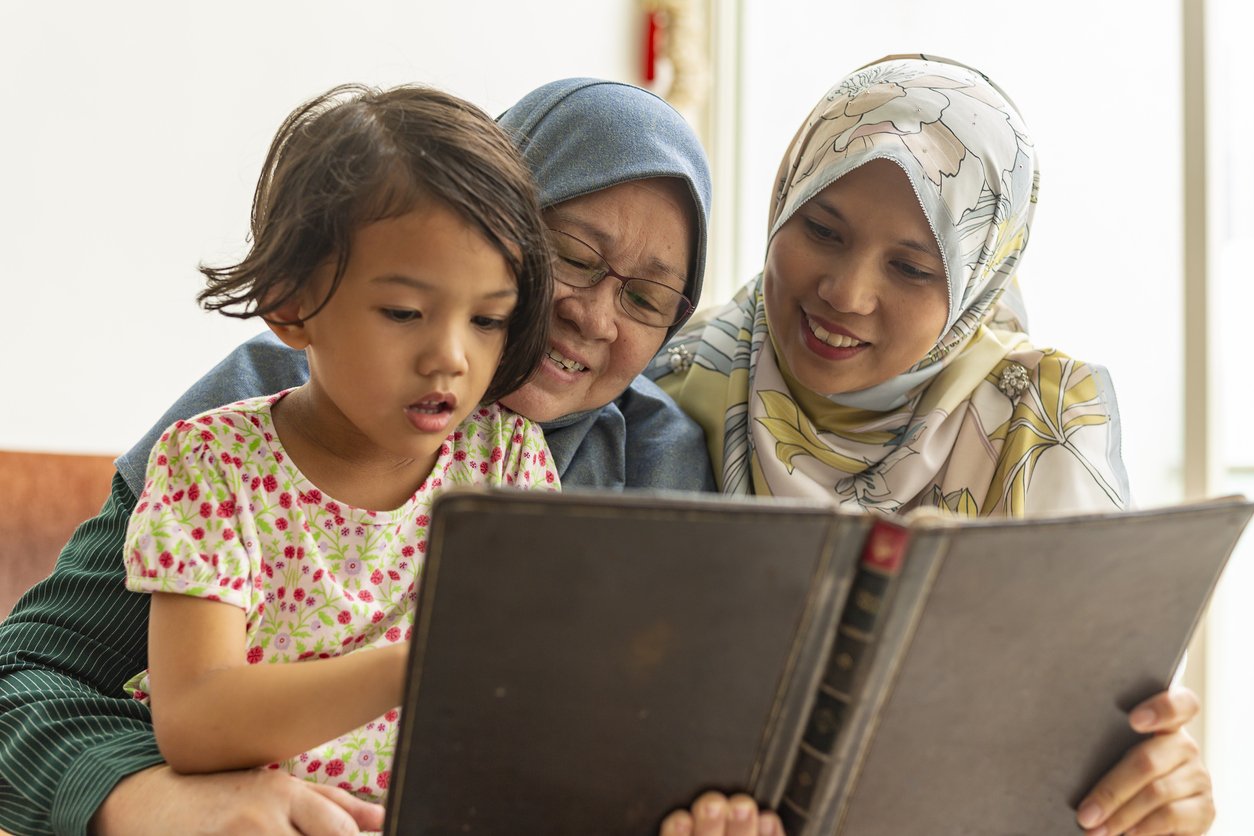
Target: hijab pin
[{"x": 1013, "y": 380}]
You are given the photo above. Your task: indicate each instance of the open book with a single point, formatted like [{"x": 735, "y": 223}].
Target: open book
[{"x": 585, "y": 663}]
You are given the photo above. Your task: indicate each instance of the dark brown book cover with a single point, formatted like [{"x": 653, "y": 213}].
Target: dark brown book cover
[{"x": 584, "y": 663}]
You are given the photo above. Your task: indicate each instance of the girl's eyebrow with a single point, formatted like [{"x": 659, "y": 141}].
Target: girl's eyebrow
[
  {"x": 420, "y": 284},
  {"x": 927, "y": 247}
]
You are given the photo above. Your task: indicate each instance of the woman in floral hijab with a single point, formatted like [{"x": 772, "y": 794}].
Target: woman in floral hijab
[{"x": 881, "y": 360}]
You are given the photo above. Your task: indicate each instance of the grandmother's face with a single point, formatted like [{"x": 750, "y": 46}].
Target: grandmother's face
[
  {"x": 854, "y": 283},
  {"x": 644, "y": 229}
]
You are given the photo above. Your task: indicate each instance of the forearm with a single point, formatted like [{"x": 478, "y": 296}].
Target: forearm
[
  {"x": 68, "y": 733},
  {"x": 247, "y": 716},
  {"x": 63, "y": 748}
]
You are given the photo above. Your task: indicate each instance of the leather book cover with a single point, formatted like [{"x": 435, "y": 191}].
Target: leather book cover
[{"x": 585, "y": 663}]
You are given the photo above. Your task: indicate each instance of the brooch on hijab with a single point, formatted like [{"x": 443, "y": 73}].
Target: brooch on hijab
[
  {"x": 1013, "y": 380},
  {"x": 680, "y": 358}
]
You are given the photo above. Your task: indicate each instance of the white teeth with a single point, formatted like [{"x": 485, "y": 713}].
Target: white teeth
[
  {"x": 430, "y": 408},
  {"x": 565, "y": 362},
  {"x": 834, "y": 340}
]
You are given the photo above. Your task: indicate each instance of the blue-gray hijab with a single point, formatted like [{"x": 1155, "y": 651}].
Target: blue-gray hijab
[{"x": 582, "y": 135}]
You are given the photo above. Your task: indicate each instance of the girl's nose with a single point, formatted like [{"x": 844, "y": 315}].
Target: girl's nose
[{"x": 444, "y": 354}]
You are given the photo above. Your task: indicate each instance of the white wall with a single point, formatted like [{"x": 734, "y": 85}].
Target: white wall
[{"x": 132, "y": 137}]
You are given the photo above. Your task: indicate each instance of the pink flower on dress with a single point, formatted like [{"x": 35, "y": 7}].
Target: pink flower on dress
[
  {"x": 280, "y": 523},
  {"x": 394, "y": 575},
  {"x": 198, "y": 533},
  {"x": 344, "y": 617},
  {"x": 298, "y": 594},
  {"x": 376, "y": 577},
  {"x": 392, "y": 634},
  {"x": 206, "y": 509},
  {"x": 162, "y": 460},
  {"x": 335, "y": 767},
  {"x": 193, "y": 493},
  {"x": 285, "y": 500},
  {"x": 460, "y": 456},
  {"x": 483, "y": 467},
  {"x": 166, "y": 560},
  {"x": 497, "y": 454},
  {"x": 228, "y": 534},
  {"x": 391, "y": 715},
  {"x": 365, "y": 595},
  {"x": 270, "y": 483},
  {"x": 381, "y": 780},
  {"x": 314, "y": 766},
  {"x": 205, "y": 435},
  {"x": 226, "y": 509},
  {"x": 254, "y": 655}
]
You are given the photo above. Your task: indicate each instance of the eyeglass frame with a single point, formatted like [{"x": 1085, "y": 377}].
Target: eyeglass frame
[{"x": 681, "y": 313}]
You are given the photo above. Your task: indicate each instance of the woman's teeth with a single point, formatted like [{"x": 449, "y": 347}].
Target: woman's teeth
[
  {"x": 834, "y": 340},
  {"x": 565, "y": 362}
]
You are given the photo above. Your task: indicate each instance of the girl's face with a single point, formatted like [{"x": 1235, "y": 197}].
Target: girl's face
[
  {"x": 854, "y": 283},
  {"x": 645, "y": 229},
  {"x": 410, "y": 340}
]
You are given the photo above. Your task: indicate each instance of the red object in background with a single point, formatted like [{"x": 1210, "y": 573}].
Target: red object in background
[{"x": 651, "y": 33}]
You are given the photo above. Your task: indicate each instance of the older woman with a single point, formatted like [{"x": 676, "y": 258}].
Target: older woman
[
  {"x": 624, "y": 182},
  {"x": 876, "y": 361}
]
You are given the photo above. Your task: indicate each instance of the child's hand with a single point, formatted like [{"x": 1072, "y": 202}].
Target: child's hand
[{"x": 714, "y": 814}]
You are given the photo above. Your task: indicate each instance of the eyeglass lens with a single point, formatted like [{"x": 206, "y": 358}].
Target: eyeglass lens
[{"x": 577, "y": 264}]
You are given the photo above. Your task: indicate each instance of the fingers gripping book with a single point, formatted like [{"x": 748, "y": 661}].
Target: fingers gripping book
[{"x": 584, "y": 663}]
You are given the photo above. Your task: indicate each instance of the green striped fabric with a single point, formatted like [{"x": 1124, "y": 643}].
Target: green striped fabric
[{"x": 68, "y": 733}]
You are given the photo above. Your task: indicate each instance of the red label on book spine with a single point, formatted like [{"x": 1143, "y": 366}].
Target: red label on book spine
[{"x": 885, "y": 547}]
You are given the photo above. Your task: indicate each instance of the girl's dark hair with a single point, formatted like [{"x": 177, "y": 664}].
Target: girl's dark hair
[{"x": 355, "y": 155}]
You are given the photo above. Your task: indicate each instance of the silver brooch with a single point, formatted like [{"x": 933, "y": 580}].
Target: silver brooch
[
  {"x": 680, "y": 358},
  {"x": 1013, "y": 380}
]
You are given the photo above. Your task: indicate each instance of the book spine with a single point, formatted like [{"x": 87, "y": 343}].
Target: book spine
[{"x": 878, "y": 565}]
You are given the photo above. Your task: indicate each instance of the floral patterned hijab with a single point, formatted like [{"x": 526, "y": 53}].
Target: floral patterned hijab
[{"x": 984, "y": 423}]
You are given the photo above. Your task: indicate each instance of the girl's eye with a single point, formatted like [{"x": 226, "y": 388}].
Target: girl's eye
[
  {"x": 401, "y": 314},
  {"x": 817, "y": 230},
  {"x": 490, "y": 323}
]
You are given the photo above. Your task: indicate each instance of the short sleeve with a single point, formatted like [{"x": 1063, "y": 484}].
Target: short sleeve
[
  {"x": 526, "y": 461},
  {"x": 189, "y": 531}
]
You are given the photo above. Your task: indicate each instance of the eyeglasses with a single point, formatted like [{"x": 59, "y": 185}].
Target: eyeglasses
[{"x": 578, "y": 265}]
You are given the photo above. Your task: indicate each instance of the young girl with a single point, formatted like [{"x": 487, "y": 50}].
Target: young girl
[{"x": 397, "y": 240}]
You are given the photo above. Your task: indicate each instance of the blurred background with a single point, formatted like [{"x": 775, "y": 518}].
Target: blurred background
[{"x": 134, "y": 133}]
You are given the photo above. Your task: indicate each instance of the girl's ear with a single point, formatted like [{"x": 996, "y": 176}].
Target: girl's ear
[{"x": 286, "y": 323}]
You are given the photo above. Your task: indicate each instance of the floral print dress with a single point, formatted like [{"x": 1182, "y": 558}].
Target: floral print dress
[{"x": 226, "y": 516}]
